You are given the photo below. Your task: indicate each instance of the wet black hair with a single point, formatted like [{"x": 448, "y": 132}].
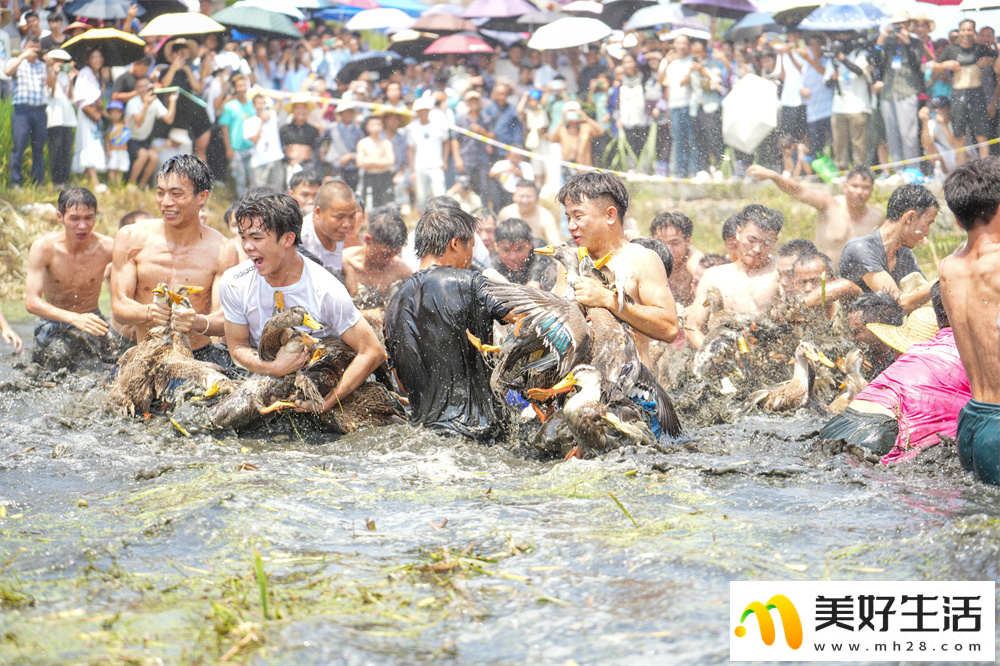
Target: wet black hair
[
  {"x": 133, "y": 217},
  {"x": 438, "y": 226},
  {"x": 483, "y": 213},
  {"x": 525, "y": 182},
  {"x": 939, "y": 312},
  {"x": 973, "y": 193},
  {"x": 277, "y": 212},
  {"x": 443, "y": 200},
  {"x": 591, "y": 185},
  {"x": 910, "y": 197},
  {"x": 71, "y": 197},
  {"x": 768, "y": 219},
  {"x": 305, "y": 177},
  {"x": 729, "y": 227},
  {"x": 676, "y": 219},
  {"x": 862, "y": 171},
  {"x": 878, "y": 307},
  {"x": 192, "y": 168},
  {"x": 968, "y": 20},
  {"x": 335, "y": 190},
  {"x": 387, "y": 228},
  {"x": 513, "y": 230},
  {"x": 798, "y": 246},
  {"x": 809, "y": 257},
  {"x": 661, "y": 250},
  {"x": 227, "y": 217},
  {"x": 710, "y": 260}
]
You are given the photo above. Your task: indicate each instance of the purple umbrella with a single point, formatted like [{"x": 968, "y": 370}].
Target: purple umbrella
[{"x": 734, "y": 9}]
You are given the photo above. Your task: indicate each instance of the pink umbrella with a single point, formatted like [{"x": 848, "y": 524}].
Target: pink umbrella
[
  {"x": 458, "y": 44},
  {"x": 498, "y": 8},
  {"x": 360, "y": 4}
]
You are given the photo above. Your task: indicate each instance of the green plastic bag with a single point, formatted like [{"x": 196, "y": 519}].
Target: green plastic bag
[{"x": 824, "y": 168}]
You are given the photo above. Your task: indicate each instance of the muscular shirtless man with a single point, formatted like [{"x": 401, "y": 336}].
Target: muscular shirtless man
[
  {"x": 970, "y": 290},
  {"x": 66, "y": 270},
  {"x": 178, "y": 250},
  {"x": 749, "y": 283},
  {"x": 674, "y": 230},
  {"x": 840, "y": 217},
  {"x": 595, "y": 204}
]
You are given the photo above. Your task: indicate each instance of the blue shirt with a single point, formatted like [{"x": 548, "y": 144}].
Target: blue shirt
[
  {"x": 508, "y": 127},
  {"x": 29, "y": 83},
  {"x": 233, "y": 116},
  {"x": 820, "y": 103}
]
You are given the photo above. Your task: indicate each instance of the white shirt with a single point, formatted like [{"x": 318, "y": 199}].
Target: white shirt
[
  {"x": 268, "y": 147},
  {"x": 854, "y": 96},
  {"x": 428, "y": 143},
  {"x": 247, "y": 299},
  {"x": 678, "y": 96},
  {"x": 155, "y": 111},
  {"x": 791, "y": 89},
  {"x": 310, "y": 241},
  {"x": 508, "y": 180}
]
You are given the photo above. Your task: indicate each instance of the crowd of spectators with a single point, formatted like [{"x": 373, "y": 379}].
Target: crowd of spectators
[{"x": 636, "y": 102}]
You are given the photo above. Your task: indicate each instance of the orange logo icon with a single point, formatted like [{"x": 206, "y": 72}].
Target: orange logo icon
[{"x": 789, "y": 621}]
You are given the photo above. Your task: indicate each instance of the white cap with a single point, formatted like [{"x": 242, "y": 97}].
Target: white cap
[{"x": 423, "y": 103}]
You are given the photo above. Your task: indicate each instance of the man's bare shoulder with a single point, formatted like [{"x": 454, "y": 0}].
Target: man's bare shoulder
[
  {"x": 354, "y": 256},
  {"x": 508, "y": 211},
  {"x": 139, "y": 233},
  {"x": 47, "y": 243},
  {"x": 717, "y": 274},
  {"x": 399, "y": 269}
]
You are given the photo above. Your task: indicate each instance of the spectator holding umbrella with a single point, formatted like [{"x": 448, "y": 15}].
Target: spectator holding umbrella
[
  {"x": 89, "y": 156},
  {"x": 28, "y": 123}
]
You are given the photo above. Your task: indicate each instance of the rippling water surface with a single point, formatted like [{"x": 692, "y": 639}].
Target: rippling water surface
[{"x": 124, "y": 540}]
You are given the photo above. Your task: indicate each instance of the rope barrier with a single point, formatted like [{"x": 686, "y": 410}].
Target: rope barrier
[{"x": 624, "y": 175}]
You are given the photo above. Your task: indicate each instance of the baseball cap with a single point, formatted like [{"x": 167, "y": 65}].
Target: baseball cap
[{"x": 116, "y": 104}]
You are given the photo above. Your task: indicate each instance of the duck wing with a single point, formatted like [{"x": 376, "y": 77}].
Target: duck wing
[
  {"x": 612, "y": 348},
  {"x": 557, "y": 322},
  {"x": 650, "y": 395}
]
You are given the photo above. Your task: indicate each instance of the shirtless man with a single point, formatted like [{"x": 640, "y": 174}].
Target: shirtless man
[
  {"x": 595, "y": 204},
  {"x": 840, "y": 217},
  {"x": 575, "y": 134},
  {"x": 525, "y": 207},
  {"x": 332, "y": 219},
  {"x": 750, "y": 283},
  {"x": 179, "y": 250},
  {"x": 371, "y": 269},
  {"x": 66, "y": 270},
  {"x": 970, "y": 290},
  {"x": 674, "y": 230}
]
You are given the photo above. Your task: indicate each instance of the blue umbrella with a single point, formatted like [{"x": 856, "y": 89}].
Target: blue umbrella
[
  {"x": 753, "y": 25},
  {"x": 843, "y": 18},
  {"x": 411, "y": 7}
]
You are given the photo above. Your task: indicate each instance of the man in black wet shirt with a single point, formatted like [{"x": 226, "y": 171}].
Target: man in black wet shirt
[{"x": 445, "y": 377}]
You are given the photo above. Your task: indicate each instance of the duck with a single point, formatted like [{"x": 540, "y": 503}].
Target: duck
[
  {"x": 279, "y": 332},
  {"x": 726, "y": 343},
  {"x": 371, "y": 405},
  {"x": 797, "y": 392},
  {"x": 599, "y": 417},
  {"x": 854, "y": 382}
]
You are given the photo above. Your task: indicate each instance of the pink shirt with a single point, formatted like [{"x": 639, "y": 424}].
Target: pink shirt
[{"x": 926, "y": 388}]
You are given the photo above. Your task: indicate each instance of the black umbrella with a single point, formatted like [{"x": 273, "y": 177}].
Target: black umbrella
[
  {"x": 616, "y": 12},
  {"x": 369, "y": 61},
  {"x": 156, "y": 8}
]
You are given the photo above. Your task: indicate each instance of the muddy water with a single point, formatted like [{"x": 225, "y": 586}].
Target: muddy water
[{"x": 124, "y": 540}]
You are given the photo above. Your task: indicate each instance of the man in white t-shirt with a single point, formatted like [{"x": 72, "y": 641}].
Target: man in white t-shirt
[
  {"x": 325, "y": 229},
  {"x": 427, "y": 141},
  {"x": 269, "y": 224},
  {"x": 676, "y": 77}
]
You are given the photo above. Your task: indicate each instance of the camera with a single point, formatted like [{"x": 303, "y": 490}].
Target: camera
[{"x": 844, "y": 46}]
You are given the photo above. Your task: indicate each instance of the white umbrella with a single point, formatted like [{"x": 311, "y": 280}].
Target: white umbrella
[
  {"x": 380, "y": 19},
  {"x": 584, "y": 6},
  {"x": 276, "y": 6},
  {"x": 181, "y": 23},
  {"x": 975, "y": 5},
  {"x": 647, "y": 17},
  {"x": 690, "y": 33},
  {"x": 749, "y": 113},
  {"x": 569, "y": 32}
]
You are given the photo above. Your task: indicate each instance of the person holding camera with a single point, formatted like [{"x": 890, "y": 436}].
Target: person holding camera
[
  {"x": 900, "y": 56},
  {"x": 61, "y": 116},
  {"x": 28, "y": 122},
  {"x": 848, "y": 74}
]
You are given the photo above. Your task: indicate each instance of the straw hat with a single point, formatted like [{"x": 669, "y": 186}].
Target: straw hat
[
  {"x": 6, "y": 16},
  {"x": 920, "y": 326},
  {"x": 922, "y": 16},
  {"x": 77, "y": 26},
  {"x": 300, "y": 98},
  {"x": 900, "y": 16},
  {"x": 404, "y": 118},
  {"x": 59, "y": 54}
]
